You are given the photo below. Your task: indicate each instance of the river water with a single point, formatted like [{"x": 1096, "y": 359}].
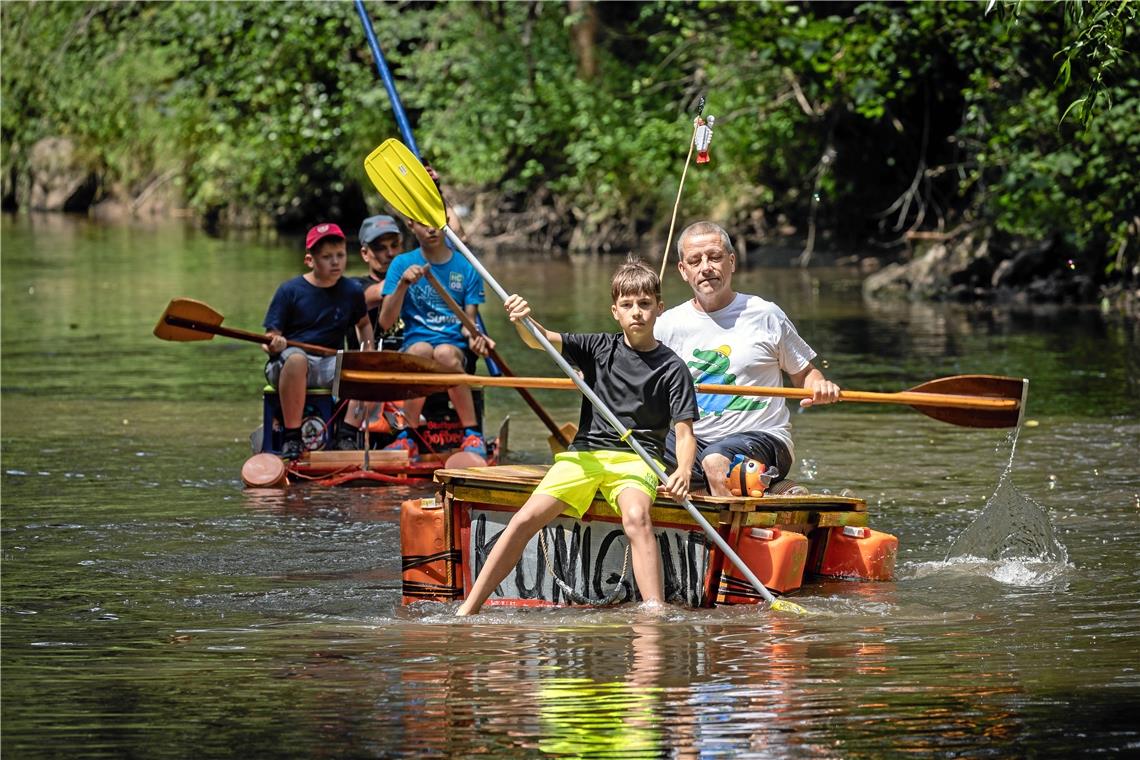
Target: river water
[{"x": 151, "y": 608}]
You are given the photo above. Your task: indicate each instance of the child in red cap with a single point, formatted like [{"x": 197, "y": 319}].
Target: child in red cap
[{"x": 317, "y": 307}]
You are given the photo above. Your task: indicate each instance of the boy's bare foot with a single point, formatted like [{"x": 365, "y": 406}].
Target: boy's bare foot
[{"x": 465, "y": 610}]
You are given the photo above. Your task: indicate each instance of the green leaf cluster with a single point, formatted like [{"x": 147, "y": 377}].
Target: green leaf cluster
[{"x": 867, "y": 119}]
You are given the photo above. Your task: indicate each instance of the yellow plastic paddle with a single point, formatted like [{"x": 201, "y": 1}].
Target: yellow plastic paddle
[{"x": 404, "y": 183}]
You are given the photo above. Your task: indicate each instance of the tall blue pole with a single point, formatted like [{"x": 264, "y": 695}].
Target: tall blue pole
[
  {"x": 389, "y": 83},
  {"x": 405, "y": 126}
]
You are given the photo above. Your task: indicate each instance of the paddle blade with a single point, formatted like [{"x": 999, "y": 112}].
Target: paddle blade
[
  {"x": 568, "y": 430},
  {"x": 382, "y": 361},
  {"x": 400, "y": 177},
  {"x": 179, "y": 320},
  {"x": 783, "y": 605},
  {"x": 983, "y": 386}
]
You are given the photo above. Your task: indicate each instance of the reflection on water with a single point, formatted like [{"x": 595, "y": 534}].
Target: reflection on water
[{"x": 150, "y": 605}]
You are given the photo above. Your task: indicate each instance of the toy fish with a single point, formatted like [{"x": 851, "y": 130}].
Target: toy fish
[{"x": 747, "y": 477}]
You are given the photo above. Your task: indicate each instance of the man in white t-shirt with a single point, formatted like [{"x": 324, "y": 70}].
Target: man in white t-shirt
[{"x": 729, "y": 338}]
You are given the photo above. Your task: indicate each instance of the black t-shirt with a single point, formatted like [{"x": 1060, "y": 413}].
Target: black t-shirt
[
  {"x": 646, "y": 390},
  {"x": 393, "y": 336}
]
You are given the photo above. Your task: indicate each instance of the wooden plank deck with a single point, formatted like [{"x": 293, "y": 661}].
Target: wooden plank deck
[{"x": 511, "y": 485}]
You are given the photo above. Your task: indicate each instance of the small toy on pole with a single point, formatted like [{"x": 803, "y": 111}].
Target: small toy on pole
[{"x": 703, "y": 138}]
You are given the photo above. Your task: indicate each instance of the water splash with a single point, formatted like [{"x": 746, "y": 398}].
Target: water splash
[{"x": 1011, "y": 527}]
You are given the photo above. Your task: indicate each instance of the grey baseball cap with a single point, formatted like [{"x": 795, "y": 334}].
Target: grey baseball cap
[{"x": 375, "y": 226}]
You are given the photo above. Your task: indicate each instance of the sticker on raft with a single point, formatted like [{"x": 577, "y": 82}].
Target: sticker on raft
[{"x": 713, "y": 368}]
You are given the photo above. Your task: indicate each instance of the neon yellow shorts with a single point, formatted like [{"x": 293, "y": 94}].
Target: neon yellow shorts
[{"x": 577, "y": 475}]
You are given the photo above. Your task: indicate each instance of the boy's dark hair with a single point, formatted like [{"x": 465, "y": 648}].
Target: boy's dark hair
[{"x": 635, "y": 278}]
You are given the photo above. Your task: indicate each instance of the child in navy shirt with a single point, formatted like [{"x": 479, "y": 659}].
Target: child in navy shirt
[{"x": 317, "y": 307}]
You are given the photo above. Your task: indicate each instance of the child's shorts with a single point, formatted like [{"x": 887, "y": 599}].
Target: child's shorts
[
  {"x": 322, "y": 369},
  {"x": 576, "y": 476}
]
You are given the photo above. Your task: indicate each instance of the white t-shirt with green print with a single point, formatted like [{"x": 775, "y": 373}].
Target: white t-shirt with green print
[{"x": 749, "y": 342}]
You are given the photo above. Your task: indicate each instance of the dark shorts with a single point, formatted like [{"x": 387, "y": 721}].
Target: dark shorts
[{"x": 763, "y": 447}]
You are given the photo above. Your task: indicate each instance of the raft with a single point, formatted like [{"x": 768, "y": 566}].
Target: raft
[
  {"x": 442, "y": 436},
  {"x": 786, "y": 540}
]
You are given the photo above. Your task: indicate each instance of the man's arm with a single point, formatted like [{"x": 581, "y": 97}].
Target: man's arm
[
  {"x": 823, "y": 391},
  {"x": 678, "y": 482},
  {"x": 364, "y": 331},
  {"x": 518, "y": 310},
  {"x": 374, "y": 295}
]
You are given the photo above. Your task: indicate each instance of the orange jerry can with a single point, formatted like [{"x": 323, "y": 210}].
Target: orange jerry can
[
  {"x": 777, "y": 557},
  {"x": 853, "y": 552},
  {"x": 430, "y": 562}
]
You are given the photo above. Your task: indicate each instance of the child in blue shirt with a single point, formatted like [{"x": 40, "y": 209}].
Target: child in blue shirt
[{"x": 431, "y": 330}]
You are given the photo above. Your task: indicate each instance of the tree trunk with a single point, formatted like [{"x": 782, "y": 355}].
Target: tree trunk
[{"x": 584, "y": 35}]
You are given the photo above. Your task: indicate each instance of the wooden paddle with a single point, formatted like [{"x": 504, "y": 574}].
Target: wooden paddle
[
  {"x": 558, "y": 439},
  {"x": 981, "y": 401},
  {"x": 186, "y": 319}
]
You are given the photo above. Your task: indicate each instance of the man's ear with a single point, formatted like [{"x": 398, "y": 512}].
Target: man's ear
[{"x": 681, "y": 269}]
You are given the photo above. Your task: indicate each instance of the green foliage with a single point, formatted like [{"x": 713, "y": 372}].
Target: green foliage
[{"x": 872, "y": 118}]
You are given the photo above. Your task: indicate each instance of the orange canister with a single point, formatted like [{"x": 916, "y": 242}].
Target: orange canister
[
  {"x": 430, "y": 562},
  {"x": 857, "y": 552},
  {"x": 777, "y": 557}
]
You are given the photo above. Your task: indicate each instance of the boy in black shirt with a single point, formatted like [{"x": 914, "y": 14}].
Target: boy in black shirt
[{"x": 647, "y": 387}]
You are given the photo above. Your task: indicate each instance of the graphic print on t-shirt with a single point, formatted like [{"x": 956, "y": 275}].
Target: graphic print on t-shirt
[{"x": 711, "y": 367}]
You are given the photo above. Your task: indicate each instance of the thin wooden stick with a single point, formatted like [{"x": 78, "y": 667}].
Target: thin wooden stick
[{"x": 677, "y": 203}]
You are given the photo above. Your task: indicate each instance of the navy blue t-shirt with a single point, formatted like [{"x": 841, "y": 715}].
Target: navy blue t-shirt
[
  {"x": 301, "y": 311},
  {"x": 646, "y": 390}
]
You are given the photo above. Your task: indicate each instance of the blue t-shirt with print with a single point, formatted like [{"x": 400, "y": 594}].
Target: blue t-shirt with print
[
  {"x": 426, "y": 317},
  {"x": 304, "y": 312}
]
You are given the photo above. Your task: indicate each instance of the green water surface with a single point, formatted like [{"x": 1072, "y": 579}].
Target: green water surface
[{"x": 150, "y": 607}]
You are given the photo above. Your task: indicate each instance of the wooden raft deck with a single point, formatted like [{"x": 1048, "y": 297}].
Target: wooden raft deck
[{"x": 511, "y": 485}]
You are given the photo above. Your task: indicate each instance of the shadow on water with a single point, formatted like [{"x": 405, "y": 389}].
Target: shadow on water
[{"x": 151, "y": 608}]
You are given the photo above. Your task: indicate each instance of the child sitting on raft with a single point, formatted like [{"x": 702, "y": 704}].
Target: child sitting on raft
[{"x": 647, "y": 387}]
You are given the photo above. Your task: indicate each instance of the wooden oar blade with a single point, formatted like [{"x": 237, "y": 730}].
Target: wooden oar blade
[
  {"x": 186, "y": 319},
  {"x": 982, "y": 386},
  {"x": 362, "y": 389},
  {"x": 400, "y": 177},
  {"x": 568, "y": 431}
]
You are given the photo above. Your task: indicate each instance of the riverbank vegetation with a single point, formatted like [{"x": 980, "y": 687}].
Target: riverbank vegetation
[{"x": 1006, "y": 136}]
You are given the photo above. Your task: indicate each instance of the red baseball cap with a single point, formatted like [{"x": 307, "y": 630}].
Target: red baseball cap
[{"x": 320, "y": 232}]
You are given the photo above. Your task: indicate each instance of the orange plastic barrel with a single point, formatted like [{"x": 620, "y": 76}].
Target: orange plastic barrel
[
  {"x": 264, "y": 471},
  {"x": 430, "y": 562},
  {"x": 861, "y": 553},
  {"x": 777, "y": 557}
]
